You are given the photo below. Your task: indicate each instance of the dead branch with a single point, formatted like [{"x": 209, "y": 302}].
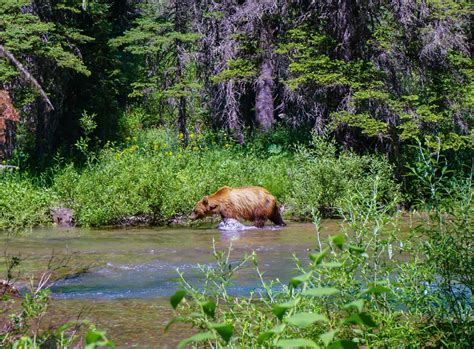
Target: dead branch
[{"x": 26, "y": 75}]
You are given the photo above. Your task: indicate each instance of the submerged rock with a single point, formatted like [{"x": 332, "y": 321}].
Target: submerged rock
[
  {"x": 7, "y": 289},
  {"x": 134, "y": 221},
  {"x": 63, "y": 217}
]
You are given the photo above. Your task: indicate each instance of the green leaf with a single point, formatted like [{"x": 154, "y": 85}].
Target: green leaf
[
  {"x": 24, "y": 342},
  {"x": 300, "y": 279},
  {"x": 377, "y": 289},
  {"x": 343, "y": 344},
  {"x": 296, "y": 343},
  {"x": 200, "y": 337},
  {"x": 361, "y": 319},
  {"x": 338, "y": 240},
  {"x": 224, "y": 330},
  {"x": 275, "y": 330},
  {"x": 320, "y": 292},
  {"x": 95, "y": 336},
  {"x": 331, "y": 265},
  {"x": 358, "y": 304},
  {"x": 262, "y": 337},
  {"x": 327, "y": 337},
  {"x": 317, "y": 258},
  {"x": 280, "y": 309},
  {"x": 177, "y": 298},
  {"x": 209, "y": 308},
  {"x": 95, "y": 339},
  {"x": 356, "y": 249},
  {"x": 303, "y": 320}
]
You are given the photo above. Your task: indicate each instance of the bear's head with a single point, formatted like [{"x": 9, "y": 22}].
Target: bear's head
[{"x": 204, "y": 208}]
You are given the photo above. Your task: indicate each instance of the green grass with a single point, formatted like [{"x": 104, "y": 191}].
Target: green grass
[
  {"x": 22, "y": 203},
  {"x": 154, "y": 175}
]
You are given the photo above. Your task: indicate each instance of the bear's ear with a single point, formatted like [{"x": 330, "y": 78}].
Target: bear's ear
[{"x": 205, "y": 201}]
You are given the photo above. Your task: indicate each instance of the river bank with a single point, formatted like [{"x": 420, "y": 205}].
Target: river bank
[{"x": 153, "y": 180}]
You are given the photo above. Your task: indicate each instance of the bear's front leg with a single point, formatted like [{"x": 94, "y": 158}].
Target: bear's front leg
[
  {"x": 224, "y": 214},
  {"x": 259, "y": 222}
]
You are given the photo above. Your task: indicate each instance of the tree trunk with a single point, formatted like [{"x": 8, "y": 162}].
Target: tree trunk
[
  {"x": 180, "y": 12},
  {"x": 26, "y": 75},
  {"x": 8, "y": 118},
  {"x": 231, "y": 110},
  {"x": 264, "y": 104}
]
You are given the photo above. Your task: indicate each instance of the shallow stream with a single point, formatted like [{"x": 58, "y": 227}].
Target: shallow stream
[{"x": 130, "y": 273}]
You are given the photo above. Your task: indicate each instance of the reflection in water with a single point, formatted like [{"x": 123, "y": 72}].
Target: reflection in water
[{"x": 133, "y": 269}]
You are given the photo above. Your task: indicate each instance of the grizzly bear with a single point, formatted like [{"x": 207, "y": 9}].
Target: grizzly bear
[{"x": 250, "y": 203}]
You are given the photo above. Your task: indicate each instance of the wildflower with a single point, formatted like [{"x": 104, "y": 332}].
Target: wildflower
[
  {"x": 191, "y": 135},
  {"x": 180, "y": 135}
]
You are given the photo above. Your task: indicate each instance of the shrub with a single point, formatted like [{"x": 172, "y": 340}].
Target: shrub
[
  {"x": 434, "y": 177},
  {"x": 24, "y": 316},
  {"x": 22, "y": 203},
  {"x": 155, "y": 176},
  {"x": 323, "y": 180}
]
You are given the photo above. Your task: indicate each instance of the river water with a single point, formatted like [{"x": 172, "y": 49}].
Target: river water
[{"x": 130, "y": 273}]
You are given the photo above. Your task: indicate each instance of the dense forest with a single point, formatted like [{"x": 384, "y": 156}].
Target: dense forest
[
  {"x": 375, "y": 75},
  {"x": 128, "y": 112}
]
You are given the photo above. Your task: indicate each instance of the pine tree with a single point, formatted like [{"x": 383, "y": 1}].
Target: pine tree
[{"x": 162, "y": 38}]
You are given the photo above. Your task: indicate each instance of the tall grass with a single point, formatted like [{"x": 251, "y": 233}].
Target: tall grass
[
  {"x": 23, "y": 203},
  {"x": 153, "y": 175}
]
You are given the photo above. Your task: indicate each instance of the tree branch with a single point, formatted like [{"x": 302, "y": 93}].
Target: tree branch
[{"x": 26, "y": 75}]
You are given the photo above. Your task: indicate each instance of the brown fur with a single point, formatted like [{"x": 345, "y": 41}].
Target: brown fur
[{"x": 254, "y": 204}]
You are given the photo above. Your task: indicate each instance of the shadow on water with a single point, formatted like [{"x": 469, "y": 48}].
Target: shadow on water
[{"x": 130, "y": 271}]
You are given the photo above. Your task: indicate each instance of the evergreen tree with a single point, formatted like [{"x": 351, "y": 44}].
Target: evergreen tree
[{"x": 162, "y": 39}]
